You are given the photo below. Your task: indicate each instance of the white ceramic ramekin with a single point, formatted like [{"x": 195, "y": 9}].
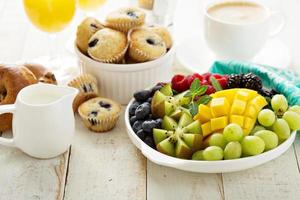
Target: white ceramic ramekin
[
  {"x": 120, "y": 81},
  {"x": 220, "y": 166}
]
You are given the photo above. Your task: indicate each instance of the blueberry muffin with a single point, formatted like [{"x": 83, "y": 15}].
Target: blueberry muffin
[
  {"x": 164, "y": 34},
  {"x": 108, "y": 46},
  {"x": 145, "y": 45},
  {"x": 87, "y": 86},
  {"x": 100, "y": 114},
  {"x": 85, "y": 30},
  {"x": 125, "y": 18}
]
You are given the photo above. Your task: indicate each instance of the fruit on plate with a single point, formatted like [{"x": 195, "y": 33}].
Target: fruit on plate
[
  {"x": 279, "y": 104},
  {"x": 295, "y": 108},
  {"x": 213, "y": 153},
  {"x": 233, "y": 150},
  {"x": 178, "y": 138},
  {"x": 198, "y": 155},
  {"x": 252, "y": 145},
  {"x": 164, "y": 103},
  {"x": 217, "y": 139},
  {"x": 293, "y": 119},
  {"x": 182, "y": 83},
  {"x": 269, "y": 137},
  {"x": 282, "y": 129},
  {"x": 233, "y": 133},
  {"x": 238, "y": 106},
  {"x": 266, "y": 117}
]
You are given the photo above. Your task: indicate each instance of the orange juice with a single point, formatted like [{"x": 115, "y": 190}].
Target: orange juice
[
  {"x": 90, "y": 5},
  {"x": 50, "y": 15}
]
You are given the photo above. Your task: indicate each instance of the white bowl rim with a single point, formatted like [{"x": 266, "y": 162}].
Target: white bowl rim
[
  {"x": 202, "y": 162},
  {"x": 126, "y": 67}
]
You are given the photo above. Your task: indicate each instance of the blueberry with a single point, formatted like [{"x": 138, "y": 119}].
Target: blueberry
[
  {"x": 150, "y": 142},
  {"x": 133, "y": 107},
  {"x": 104, "y": 104},
  {"x": 155, "y": 88},
  {"x": 93, "y": 42},
  {"x": 132, "y": 120},
  {"x": 158, "y": 123},
  {"x": 148, "y": 125},
  {"x": 149, "y": 100},
  {"x": 137, "y": 125},
  {"x": 141, "y": 134},
  {"x": 143, "y": 110},
  {"x": 142, "y": 95}
]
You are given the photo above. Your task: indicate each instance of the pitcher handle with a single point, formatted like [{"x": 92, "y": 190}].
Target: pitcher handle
[{"x": 10, "y": 108}]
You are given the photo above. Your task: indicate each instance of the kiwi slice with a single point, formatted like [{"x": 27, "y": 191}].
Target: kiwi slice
[
  {"x": 179, "y": 138},
  {"x": 164, "y": 103}
]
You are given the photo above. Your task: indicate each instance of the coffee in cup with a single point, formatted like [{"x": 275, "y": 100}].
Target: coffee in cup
[{"x": 239, "y": 29}]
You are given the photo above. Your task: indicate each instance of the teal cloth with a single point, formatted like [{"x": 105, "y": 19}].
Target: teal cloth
[{"x": 285, "y": 81}]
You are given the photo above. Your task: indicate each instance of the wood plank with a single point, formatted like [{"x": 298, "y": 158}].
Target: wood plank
[
  {"x": 168, "y": 183},
  {"x": 105, "y": 166},
  {"x": 24, "y": 177},
  {"x": 278, "y": 179},
  {"x": 297, "y": 149}
]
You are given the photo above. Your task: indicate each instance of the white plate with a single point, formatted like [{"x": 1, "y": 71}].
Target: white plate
[
  {"x": 194, "y": 55},
  {"x": 205, "y": 166}
]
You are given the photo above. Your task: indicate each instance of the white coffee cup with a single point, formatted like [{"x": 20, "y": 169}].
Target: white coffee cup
[
  {"x": 241, "y": 41},
  {"x": 43, "y": 120}
]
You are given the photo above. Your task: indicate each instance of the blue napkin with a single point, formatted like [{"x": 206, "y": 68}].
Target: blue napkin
[{"x": 285, "y": 81}]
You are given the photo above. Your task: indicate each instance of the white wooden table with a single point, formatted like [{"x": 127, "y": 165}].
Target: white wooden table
[{"x": 108, "y": 166}]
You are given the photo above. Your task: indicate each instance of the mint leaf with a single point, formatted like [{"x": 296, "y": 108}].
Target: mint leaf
[
  {"x": 188, "y": 94},
  {"x": 201, "y": 90},
  {"x": 195, "y": 85},
  {"x": 205, "y": 99},
  {"x": 215, "y": 84},
  {"x": 193, "y": 108}
]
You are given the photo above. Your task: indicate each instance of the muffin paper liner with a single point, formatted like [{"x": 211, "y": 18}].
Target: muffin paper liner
[{"x": 100, "y": 125}]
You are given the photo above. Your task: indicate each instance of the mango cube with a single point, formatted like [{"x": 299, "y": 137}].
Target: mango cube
[
  {"x": 228, "y": 94},
  {"x": 203, "y": 114},
  {"x": 258, "y": 102},
  {"x": 237, "y": 119},
  {"x": 242, "y": 95},
  {"x": 249, "y": 123},
  {"x": 238, "y": 107},
  {"x": 206, "y": 129},
  {"x": 251, "y": 111},
  {"x": 219, "y": 107},
  {"x": 251, "y": 93},
  {"x": 219, "y": 123}
]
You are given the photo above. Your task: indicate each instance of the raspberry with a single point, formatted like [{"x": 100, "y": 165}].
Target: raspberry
[
  {"x": 210, "y": 90},
  {"x": 204, "y": 82},
  {"x": 217, "y": 76},
  {"x": 179, "y": 83},
  {"x": 191, "y": 78},
  {"x": 206, "y": 76},
  {"x": 223, "y": 82}
]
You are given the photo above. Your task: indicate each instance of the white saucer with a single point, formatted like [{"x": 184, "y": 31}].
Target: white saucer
[{"x": 195, "y": 56}]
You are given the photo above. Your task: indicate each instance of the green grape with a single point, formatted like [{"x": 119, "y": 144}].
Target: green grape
[
  {"x": 279, "y": 104},
  {"x": 252, "y": 145},
  {"x": 295, "y": 108},
  {"x": 233, "y": 132},
  {"x": 256, "y": 129},
  {"x": 266, "y": 117},
  {"x": 213, "y": 153},
  {"x": 293, "y": 120},
  {"x": 198, "y": 155},
  {"x": 232, "y": 150},
  {"x": 282, "y": 129},
  {"x": 217, "y": 139},
  {"x": 269, "y": 137}
]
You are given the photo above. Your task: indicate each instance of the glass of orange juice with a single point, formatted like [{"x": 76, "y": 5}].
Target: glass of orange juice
[
  {"x": 51, "y": 16},
  {"x": 90, "y": 5}
]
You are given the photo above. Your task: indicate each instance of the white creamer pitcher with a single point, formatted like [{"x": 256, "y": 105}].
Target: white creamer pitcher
[{"x": 43, "y": 120}]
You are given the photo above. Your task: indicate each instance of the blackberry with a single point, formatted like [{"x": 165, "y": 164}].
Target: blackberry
[
  {"x": 252, "y": 81},
  {"x": 235, "y": 81},
  {"x": 268, "y": 93}
]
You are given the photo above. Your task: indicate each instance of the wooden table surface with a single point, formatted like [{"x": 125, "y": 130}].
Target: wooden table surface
[{"x": 108, "y": 166}]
